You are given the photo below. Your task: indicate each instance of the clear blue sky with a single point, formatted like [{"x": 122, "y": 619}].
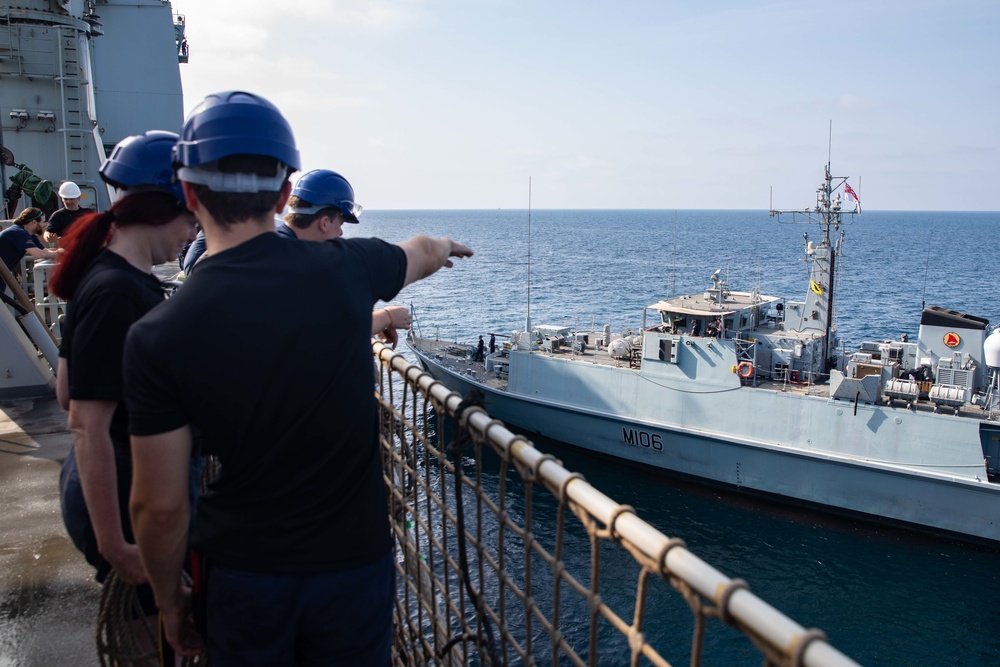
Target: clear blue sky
[{"x": 455, "y": 103}]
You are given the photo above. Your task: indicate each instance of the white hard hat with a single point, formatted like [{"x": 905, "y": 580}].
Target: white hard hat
[{"x": 69, "y": 190}]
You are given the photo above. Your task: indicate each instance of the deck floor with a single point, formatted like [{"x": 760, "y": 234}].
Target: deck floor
[{"x": 48, "y": 596}]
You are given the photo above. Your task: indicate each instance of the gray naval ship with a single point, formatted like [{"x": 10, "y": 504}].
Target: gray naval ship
[
  {"x": 751, "y": 392},
  {"x": 76, "y": 77}
]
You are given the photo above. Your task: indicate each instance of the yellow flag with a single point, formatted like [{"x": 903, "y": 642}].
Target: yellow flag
[{"x": 814, "y": 286}]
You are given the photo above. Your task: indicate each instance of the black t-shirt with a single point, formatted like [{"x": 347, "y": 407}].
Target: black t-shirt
[
  {"x": 112, "y": 295},
  {"x": 266, "y": 351},
  {"x": 60, "y": 220}
]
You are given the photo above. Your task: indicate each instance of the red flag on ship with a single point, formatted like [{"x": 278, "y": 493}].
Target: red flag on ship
[{"x": 853, "y": 195}]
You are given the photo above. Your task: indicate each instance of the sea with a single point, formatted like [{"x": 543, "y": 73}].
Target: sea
[{"x": 883, "y": 596}]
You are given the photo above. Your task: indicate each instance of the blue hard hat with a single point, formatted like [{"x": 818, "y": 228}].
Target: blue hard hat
[
  {"x": 326, "y": 189},
  {"x": 235, "y": 123},
  {"x": 143, "y": 160}
]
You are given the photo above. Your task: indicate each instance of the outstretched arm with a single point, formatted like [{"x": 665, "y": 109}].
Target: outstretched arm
[
  {"x": 424, "y": 256},
  {"x": 44, "y": 253}
]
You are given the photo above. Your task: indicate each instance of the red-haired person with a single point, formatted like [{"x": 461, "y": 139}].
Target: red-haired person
[{"x": 106, "y": 276}]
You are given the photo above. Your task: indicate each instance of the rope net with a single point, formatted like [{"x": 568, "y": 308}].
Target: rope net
[{"x": 482, "y": 521}]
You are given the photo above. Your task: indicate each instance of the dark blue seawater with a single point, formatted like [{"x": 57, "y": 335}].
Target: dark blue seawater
[{"x": 882, "y": 595}]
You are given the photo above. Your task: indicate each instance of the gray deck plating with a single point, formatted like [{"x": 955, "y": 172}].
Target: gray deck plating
[{"x": 48, "y": 596}]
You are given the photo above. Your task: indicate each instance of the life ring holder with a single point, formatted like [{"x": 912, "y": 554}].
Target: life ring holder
[{"x": 745, "y": 370}]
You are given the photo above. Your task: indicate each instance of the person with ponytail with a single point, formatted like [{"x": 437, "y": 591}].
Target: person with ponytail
[{"x": 106, "y": 276}]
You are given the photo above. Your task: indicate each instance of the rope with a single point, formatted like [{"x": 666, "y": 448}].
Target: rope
[
  {"x": 462, "y": 439},
  {"x": 126, "y": 636},
  {"x": 442, "y": 620}
]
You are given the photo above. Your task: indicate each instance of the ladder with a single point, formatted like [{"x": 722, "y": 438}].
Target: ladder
[
  {"x": 56, "y": 53},
  {"x": 76, "y": 125}
]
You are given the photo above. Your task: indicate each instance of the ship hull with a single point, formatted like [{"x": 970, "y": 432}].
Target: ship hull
[{"x": 958, "y": 505}]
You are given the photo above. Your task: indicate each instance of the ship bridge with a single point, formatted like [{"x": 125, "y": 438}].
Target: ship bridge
[
  {"x": 765, "y": 330},
  {"x": 738, "y": 311}
]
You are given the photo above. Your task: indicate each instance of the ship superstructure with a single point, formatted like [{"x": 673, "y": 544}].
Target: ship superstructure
[{"x": 76, "y": 77}]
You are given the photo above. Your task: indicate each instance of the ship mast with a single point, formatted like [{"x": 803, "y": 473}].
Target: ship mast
[
  {"x": 818, "y": 316},
  {"x": 527, "y": 319}
]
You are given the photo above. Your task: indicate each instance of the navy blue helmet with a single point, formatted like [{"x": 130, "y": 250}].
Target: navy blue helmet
[
  {"x": 235, "y": 123},
  {"x": 143, "y": 160},
  {"x": 326, "y": 189}
]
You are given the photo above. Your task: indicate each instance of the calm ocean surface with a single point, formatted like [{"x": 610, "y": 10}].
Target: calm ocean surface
[{"x": 883, "y": 596}]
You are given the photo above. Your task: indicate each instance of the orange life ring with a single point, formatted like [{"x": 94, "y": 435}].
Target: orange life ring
[{"x": 745, "y": 370}]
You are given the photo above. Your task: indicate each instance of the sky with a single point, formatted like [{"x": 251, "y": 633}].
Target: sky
[{"x": 456, "y": 104}]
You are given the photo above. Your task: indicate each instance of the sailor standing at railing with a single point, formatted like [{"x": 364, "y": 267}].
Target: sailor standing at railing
[
  {"x": 320, "y": 203},
  {"x": 295, "y": 530},
  {"x": 106, "y": 277}
]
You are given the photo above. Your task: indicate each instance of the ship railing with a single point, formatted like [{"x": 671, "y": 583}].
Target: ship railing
[
  {"x": 483, "y": 523},
  {"x": 32, "y": 278},
  {"x": 48, "y": 306}
]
